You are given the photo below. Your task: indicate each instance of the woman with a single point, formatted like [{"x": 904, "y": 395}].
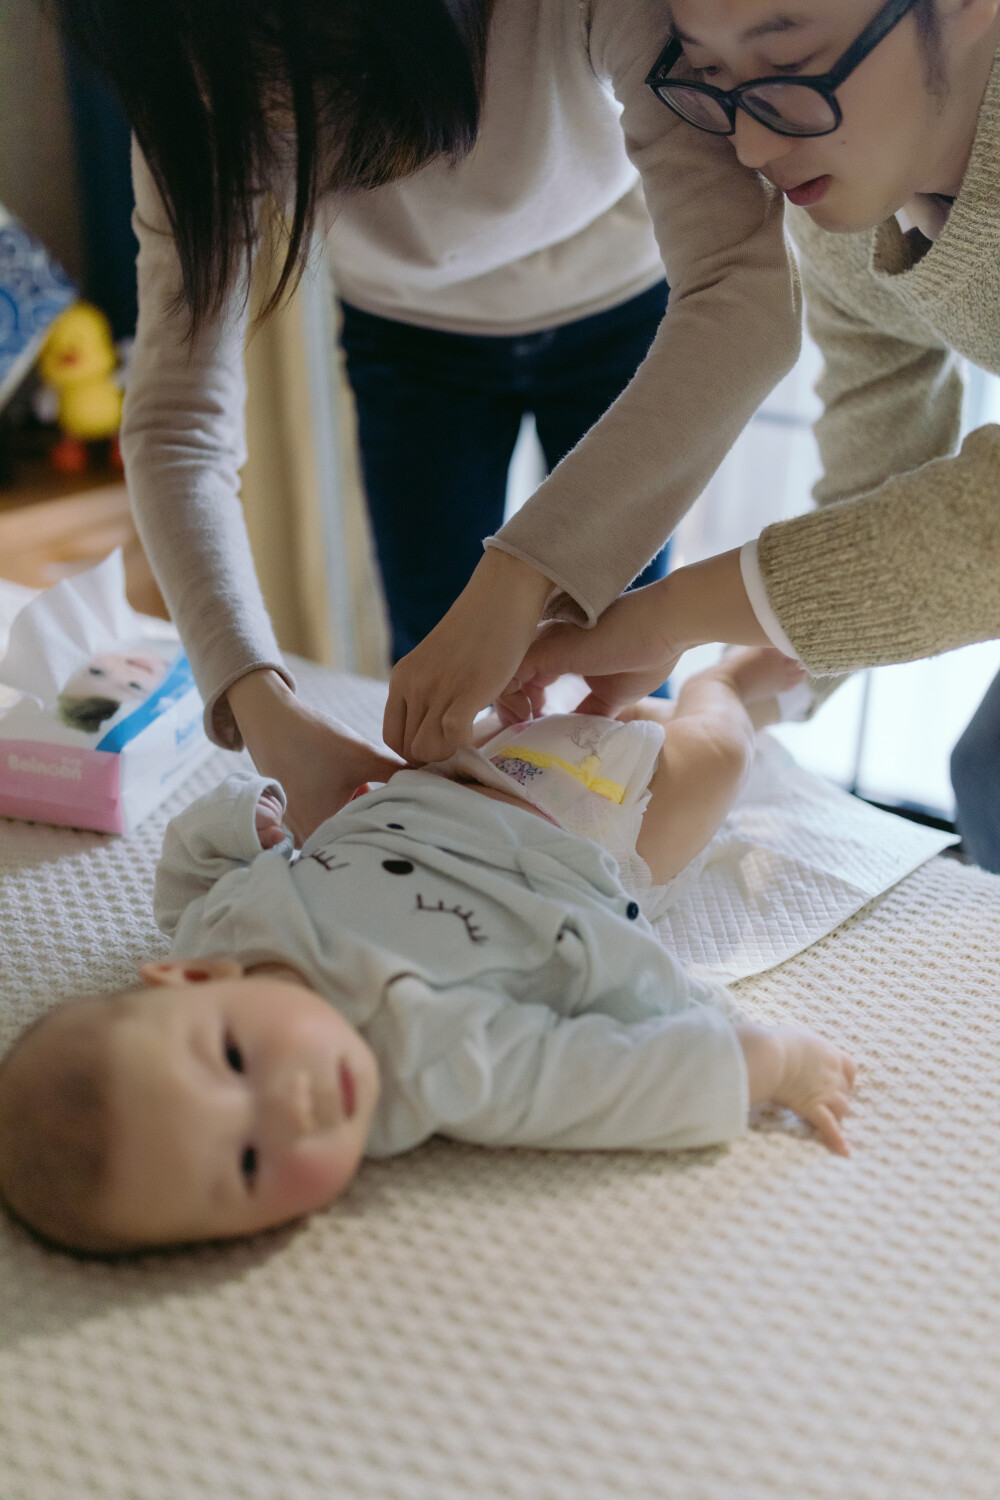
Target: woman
[
  {"x": 477, "y": 147},
  {"x": 897, "y": 225}
]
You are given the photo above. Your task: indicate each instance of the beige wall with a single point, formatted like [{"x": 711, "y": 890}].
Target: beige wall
[{"x": 37, "y": 175}]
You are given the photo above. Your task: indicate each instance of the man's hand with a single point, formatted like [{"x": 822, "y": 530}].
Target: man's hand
[
  {"x": 626, "y": 655},
  {"x": 437, "y": 690},
  {"x": 639, "y": 638},
  {"x": 317, "y": 760}
]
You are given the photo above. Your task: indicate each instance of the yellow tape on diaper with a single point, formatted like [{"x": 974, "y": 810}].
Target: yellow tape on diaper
[{"x": 586, "y": 771}]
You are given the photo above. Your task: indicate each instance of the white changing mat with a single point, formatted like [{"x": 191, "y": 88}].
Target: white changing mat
[{"x": 796, "y": 857}]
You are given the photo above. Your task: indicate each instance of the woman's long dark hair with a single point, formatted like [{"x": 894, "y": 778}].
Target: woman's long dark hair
[{"x": 232, "y": 98}]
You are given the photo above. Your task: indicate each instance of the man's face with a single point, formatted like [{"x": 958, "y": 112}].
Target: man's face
[
  {"x": 896, "y": 139},
  {"x": 241, "y": 1104},
  {"x": 124, "y": 677}
]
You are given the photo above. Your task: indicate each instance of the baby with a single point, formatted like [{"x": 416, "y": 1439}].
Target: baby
[{"x": 463, "y": 951}]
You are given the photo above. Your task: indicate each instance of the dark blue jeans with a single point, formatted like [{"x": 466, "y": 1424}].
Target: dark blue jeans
[
  {"x": 975, "y": 777},
  {"x": 438, "y": 417}
]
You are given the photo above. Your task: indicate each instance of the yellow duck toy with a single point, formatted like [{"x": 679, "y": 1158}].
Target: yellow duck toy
[{"x": 77, "y": 361}]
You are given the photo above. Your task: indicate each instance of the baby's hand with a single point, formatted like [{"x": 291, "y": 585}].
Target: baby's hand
[
  {"x": 792, "y": 1067},
  {"x": 268, "y": 821},
  {"x": 816, "y": 1081}
]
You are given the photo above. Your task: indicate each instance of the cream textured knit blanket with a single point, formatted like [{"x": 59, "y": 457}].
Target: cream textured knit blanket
[{"x": 760, "y": 1323}]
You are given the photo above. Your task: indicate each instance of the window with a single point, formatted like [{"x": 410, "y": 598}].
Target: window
[{"x": 888, "y": 733}]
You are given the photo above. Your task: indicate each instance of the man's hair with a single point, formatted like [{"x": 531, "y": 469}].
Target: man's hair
[
  {"x": 390, "y": 84},
  {"x": 56, "y": 1126},
  {"x": 927, "y": 19},
  {"x": 87, "y": 714}
]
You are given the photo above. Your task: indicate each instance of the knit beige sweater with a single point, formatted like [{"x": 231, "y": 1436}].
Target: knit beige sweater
[{"x": 903, "y": 558}]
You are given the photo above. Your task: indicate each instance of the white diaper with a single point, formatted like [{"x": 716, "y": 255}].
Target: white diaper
[{"x": 591, "y": 776}]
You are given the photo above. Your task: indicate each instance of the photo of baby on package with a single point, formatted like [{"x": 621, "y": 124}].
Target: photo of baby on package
[
  {"x": 97, "y": 690},
  {"x": 105, "y": 718}
]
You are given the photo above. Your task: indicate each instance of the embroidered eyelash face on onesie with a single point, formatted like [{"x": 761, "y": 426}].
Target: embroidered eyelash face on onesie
[
  {"x": 332, "y": 861},
  {"x": 476, "y": 934}
]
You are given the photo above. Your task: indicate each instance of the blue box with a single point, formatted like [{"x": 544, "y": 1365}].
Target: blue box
[{"x": 34, "y": 290}]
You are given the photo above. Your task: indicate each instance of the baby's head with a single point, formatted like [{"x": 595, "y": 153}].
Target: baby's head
[{"x": 211, "y": 1103}]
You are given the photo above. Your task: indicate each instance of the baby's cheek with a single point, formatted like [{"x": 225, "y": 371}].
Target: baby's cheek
[{"x": 310, "y": 1179}]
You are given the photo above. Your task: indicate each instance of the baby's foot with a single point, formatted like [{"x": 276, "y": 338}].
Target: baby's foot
[
  {"x": 657, "y": 710},
  {"x": 759, "y": 673}
]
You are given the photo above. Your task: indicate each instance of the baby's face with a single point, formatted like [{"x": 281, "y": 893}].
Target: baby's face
[
  {"x": 113, "y": 674},
  {"x": 242, "y": 1103}
]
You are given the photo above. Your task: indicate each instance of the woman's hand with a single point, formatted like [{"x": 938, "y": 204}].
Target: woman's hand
[
  {"x": 437, "y": 690},
  {"x": 319, "y": 761}
]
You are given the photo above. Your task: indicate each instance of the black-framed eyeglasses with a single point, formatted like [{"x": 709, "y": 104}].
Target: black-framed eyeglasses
[{"x": 788, "y": 106}]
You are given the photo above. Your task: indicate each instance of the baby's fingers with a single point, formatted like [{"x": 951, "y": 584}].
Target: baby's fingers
[
  {"x": 271, "y": 837},
  {"x": 823, "y": 1120},
  {"x": 839, "y": 1104}
]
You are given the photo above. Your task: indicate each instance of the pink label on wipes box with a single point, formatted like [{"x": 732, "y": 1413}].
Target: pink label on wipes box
[{"x": 60, "y": 784}]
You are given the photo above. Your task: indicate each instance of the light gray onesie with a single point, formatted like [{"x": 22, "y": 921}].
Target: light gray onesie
[{"x": 511, "y": 990}]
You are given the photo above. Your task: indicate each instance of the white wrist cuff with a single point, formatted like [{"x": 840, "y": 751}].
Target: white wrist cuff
[{"x": 757, "y": 594}]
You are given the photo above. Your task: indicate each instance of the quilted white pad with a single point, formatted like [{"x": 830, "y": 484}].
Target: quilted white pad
[
  {"x": 794, "y": 859},
  {"x": 761, "y": 1323}
]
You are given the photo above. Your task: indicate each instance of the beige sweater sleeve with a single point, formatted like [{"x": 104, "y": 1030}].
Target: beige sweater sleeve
[
  {"x": 731, "y": 331},
  {"x": 903, "y": 562}
]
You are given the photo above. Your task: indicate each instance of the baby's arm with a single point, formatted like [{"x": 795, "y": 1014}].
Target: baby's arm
[
  {"x": 470, "y": 1063},
  {"x": 520, "y": 1074},
  {"x": 708, "y": 745},
  {"x": 221, "y": 831}
]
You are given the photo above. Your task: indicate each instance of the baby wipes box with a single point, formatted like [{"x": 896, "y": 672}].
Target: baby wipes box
[{"x": 104, "y": 719}]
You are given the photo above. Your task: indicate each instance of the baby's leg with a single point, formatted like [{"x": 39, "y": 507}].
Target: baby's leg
[{"x": 708, "y": 746}]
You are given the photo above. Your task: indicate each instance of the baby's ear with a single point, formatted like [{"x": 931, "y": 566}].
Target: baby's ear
[{"x": 182, "y": 971}]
